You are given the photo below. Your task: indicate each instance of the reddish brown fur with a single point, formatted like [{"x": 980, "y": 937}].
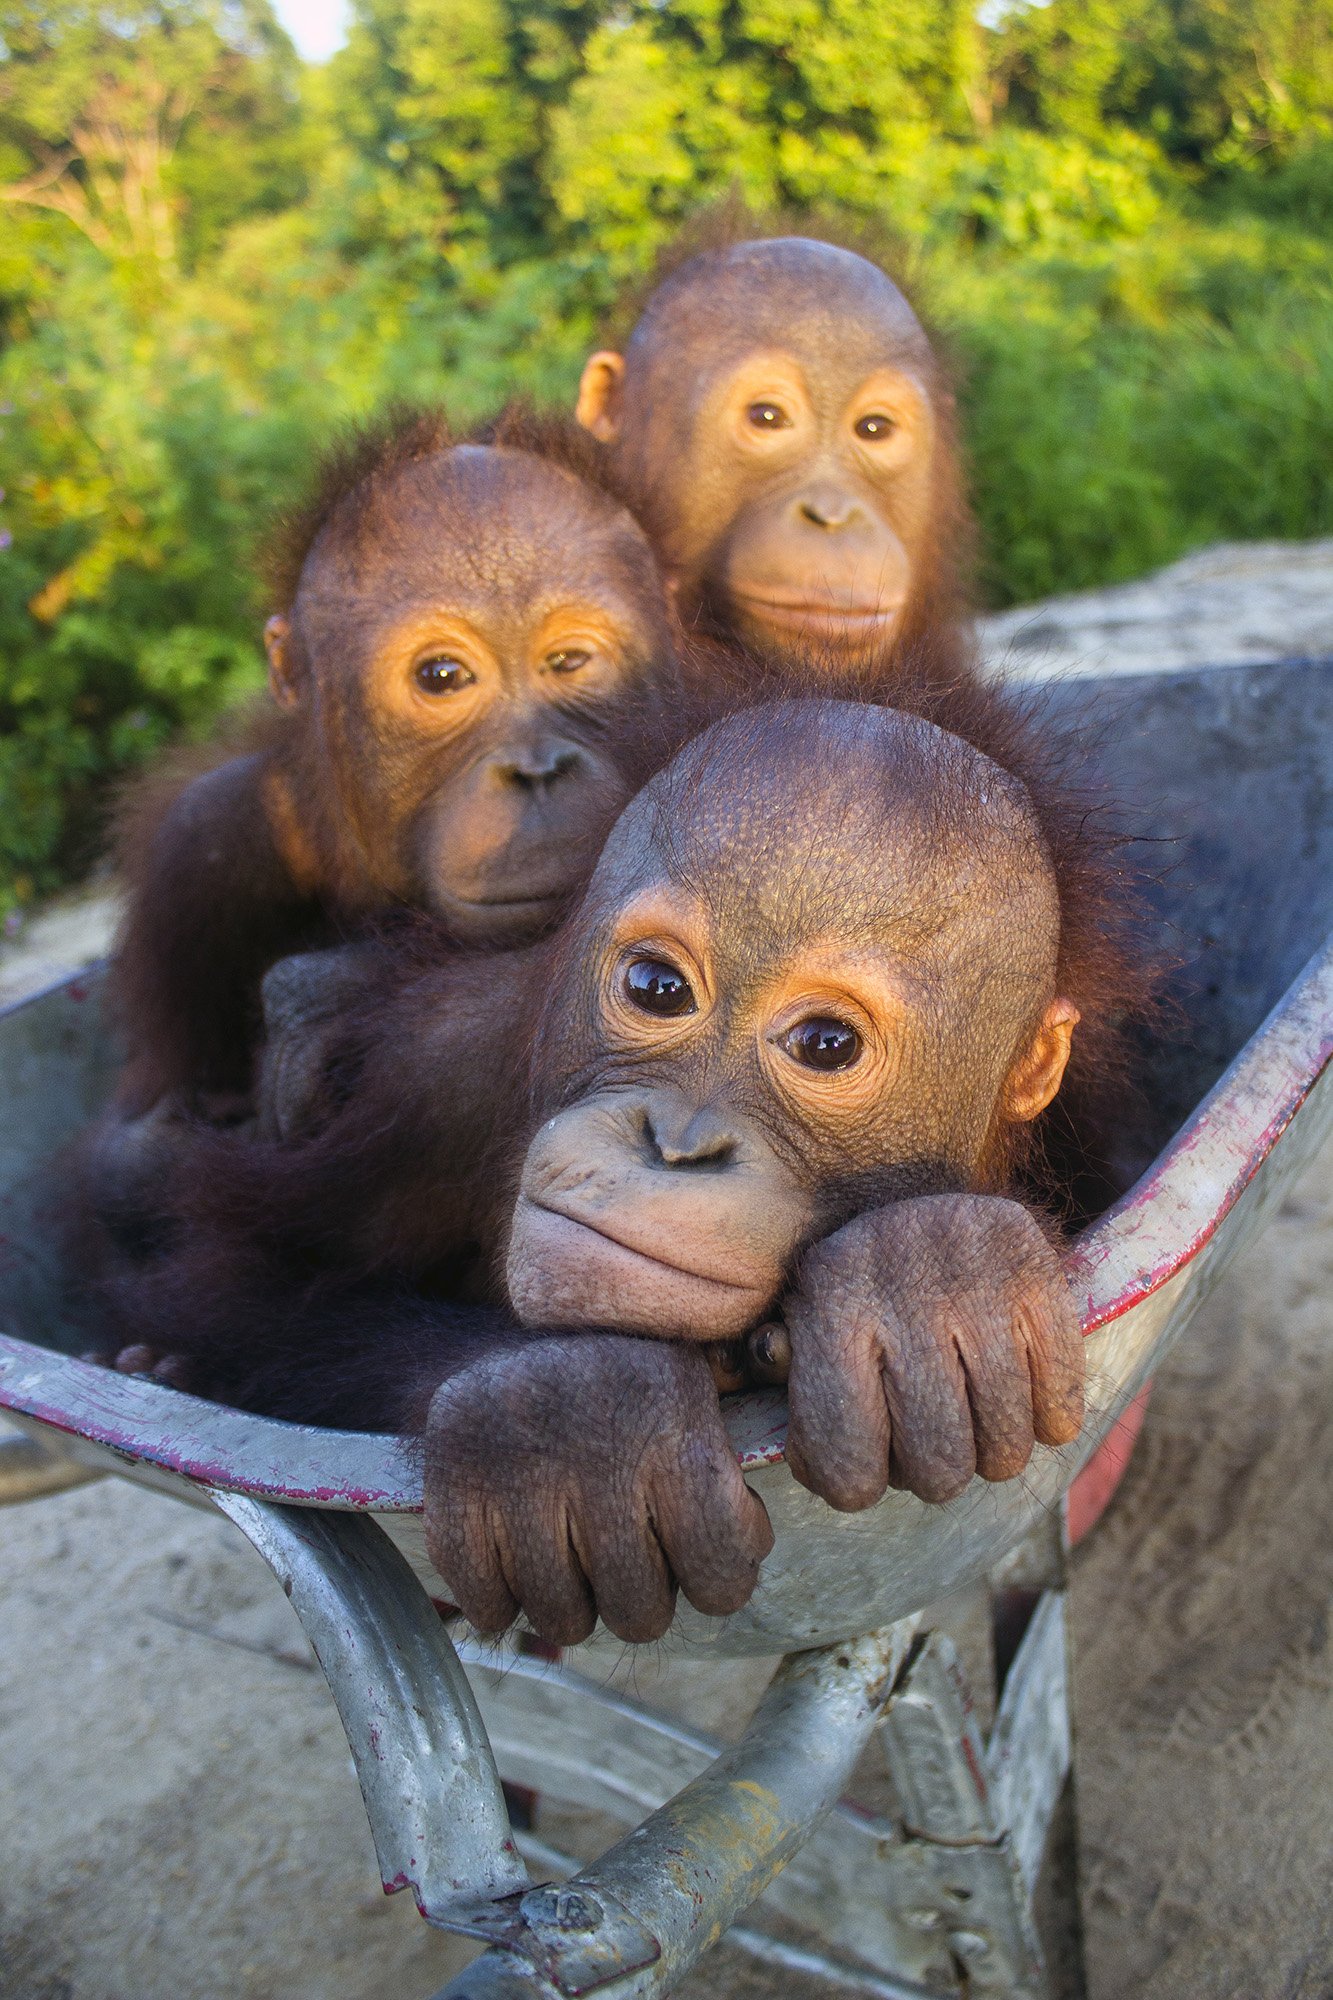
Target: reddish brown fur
[
  {"x": 404, "y": 1186},
  {"x": 187, "y": 1031},
  {"x": 252, "y": 847}
]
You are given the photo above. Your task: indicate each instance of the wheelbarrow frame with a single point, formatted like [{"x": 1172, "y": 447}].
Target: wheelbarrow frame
[{"x": 935, "y": 1900}]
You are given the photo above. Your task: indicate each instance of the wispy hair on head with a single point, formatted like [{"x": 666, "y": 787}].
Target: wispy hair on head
[
  {"x": 730, "y": 220},
  {"x": 361, "y": 460},
  {"x": 558, "y": 440},
  {"x": 364, "y": 460}
]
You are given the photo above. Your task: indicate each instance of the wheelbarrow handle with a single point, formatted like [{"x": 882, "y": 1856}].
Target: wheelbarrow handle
[{"x": 422, "y": 1755}]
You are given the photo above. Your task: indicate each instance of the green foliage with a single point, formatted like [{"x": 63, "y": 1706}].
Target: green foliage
[
  {"x": 1117, "y": 211},
  {"x": 1216, "y": 82},
  {"x": 1024, "y": 189},
  {"x": 1124, "y": 405},
  {"x": 1297, "y": 186}
]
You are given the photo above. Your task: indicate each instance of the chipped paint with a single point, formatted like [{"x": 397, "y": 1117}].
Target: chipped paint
[{"x": 144, "y": 1423}]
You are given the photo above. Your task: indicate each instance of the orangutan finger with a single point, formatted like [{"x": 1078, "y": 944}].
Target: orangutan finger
[
  {"x": 544, "y": 1572},
  {"x": 715, "y": 1531},
  {"x": 1047, "y": 1324},
  {"x": 999, "y": 1391},
  {"x": 838, "y": 1425},
  {"x": 462, "y": 1546},
  {"x": 631, "y": 1580},
  {"x": 934, "y": 1450}
]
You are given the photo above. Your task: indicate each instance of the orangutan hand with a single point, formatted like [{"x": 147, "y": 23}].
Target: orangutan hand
[
  {"x": 307, "y": 999},
  {"x": 585, "y": 1476},
  {"x": 173, "y": 1370},
  {"x": 930, "y": 1340}
]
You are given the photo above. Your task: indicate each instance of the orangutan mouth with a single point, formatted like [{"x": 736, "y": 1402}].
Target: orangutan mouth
[
  {"x": 691, "y": 1271},
  {"x": 819, "y": 617},
  {"x": 565, "y": 1269}
]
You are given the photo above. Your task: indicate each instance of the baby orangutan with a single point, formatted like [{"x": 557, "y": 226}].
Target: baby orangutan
[
  {"x": 787, "y": 1031},
  {"x": 784, "y": 1058},
  {"x": 471, "y": 661},
  {"x": 787, "y": 433}
]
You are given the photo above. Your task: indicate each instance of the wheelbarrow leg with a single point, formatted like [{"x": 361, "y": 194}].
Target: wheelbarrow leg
[
  {"x": 958, "y": 1837},
  {"x": 1030, "y": 1760},
  {"x": 936, "y": 1899},
  {"x": 939, "y": 1903},
  {"x": 422, "y": 1757}
]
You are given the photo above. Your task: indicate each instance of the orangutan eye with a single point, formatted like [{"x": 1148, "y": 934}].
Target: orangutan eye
[
  {"x": 567, "y": 660},
  {"x": 768, "y": 417},
  {"x": 655, "y": 987},
  {"x": 875, "y": 427},
  {"x": 442, "y": 674},
  {"x": 823, "y": 1043}
]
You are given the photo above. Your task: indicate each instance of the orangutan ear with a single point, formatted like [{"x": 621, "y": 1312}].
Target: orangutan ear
[
  {"x": 1036, "y": 1076},
  {"x": 282, "y": 682},
  {"x": 598, "y": 406}
]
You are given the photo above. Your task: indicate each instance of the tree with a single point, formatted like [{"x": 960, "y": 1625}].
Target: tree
[
  {"x": 1216, "y": 82},
  {"x": 799, "y": 103},
  {"x": 446, "y": 110},
  {"x": 112, "y": 114}
]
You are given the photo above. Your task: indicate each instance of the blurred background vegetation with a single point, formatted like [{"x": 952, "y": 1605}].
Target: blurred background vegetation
[{"x": 1118, "y": 212}]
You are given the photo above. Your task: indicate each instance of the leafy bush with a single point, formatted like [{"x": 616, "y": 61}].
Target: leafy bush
[
  {"x": 1127, "y": 406},
  {"x": 1119, "y": 211}
]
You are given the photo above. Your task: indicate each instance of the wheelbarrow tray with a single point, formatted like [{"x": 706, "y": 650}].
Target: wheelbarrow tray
[{"x": 1231, "y": 771}]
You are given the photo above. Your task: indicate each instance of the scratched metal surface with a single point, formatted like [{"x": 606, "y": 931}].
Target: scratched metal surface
[{"x": 1231, "y": 775}]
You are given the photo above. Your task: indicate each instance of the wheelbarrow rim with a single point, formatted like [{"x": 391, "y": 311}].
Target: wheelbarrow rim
[{"x": 1146, "y": 1239}]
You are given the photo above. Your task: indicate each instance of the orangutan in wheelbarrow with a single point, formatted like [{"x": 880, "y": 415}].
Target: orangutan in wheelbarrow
[{"x": 786, "y": 1059}]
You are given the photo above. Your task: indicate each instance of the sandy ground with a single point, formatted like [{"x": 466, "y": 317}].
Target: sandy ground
[{"x": 178, "y": 1815}]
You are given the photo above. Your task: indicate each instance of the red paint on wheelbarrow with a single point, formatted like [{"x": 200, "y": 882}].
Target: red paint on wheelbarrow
[{"x": 1094, "y": 1488}]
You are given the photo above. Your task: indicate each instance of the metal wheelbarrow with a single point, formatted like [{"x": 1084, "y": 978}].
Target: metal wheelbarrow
[{"x": 1234, "y": 768}]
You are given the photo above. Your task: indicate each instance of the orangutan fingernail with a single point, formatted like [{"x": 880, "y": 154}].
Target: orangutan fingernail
[{"x": 768, "y": 1354}]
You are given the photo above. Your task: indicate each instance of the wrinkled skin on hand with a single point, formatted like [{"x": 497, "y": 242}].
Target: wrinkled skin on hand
[
  {"x": 586, "y": 1477},
  {"x": 930, "y": 1340}
]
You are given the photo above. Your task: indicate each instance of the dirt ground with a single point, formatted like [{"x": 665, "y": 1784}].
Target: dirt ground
[{"x": 178, "y": 1815}]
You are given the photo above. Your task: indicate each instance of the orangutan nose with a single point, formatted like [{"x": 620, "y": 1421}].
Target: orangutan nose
[
  {"x": 537, "y": 767},
  {"x": 679, "y": 1134},
  {"x": 829, "y": 507}
]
